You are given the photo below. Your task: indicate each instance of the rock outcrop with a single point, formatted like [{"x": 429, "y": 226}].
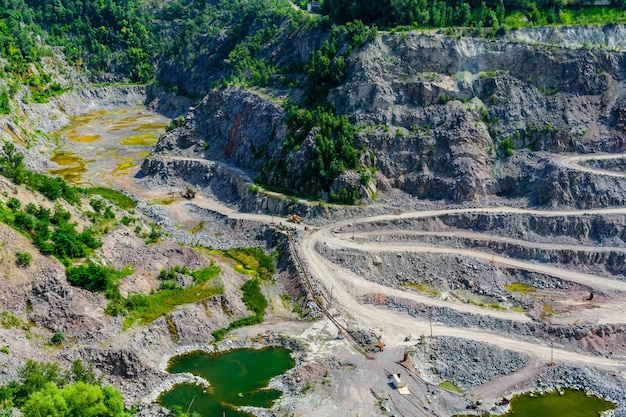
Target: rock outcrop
[{"x": 445, "y": 117}]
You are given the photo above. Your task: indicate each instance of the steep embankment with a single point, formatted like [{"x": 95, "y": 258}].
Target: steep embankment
[{"x": 443, "y": 117}]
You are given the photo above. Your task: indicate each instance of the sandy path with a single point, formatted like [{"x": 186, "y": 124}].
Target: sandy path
[
  {"x": 573, "y": 162},
  {"x": 592, "y": 281},
  {"x": 497, "y": 387},
  {"x": 480, "y": 237}
]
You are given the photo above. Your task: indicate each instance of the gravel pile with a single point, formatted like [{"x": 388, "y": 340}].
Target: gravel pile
[
  {"x": 218, "y": 231},
  {"x": 604, "y": 384},
  {"x": 468, "y": 363}
]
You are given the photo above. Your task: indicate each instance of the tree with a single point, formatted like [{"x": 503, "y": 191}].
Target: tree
[
  {"x": 34, "y": 376},
  {"x": 75, "y": 400},
  {"x": 47, "y": 402}
]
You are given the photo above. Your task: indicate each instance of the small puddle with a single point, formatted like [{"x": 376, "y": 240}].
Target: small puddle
[
  {"x": 102, "y": 145},
  {"x": 237, "y": 377},
  {"x": 565, "y": 403}
]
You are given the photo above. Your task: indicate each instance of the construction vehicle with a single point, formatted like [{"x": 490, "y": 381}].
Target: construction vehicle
[
  {"x": 294, "y": 218},
  {"x": 189, "y": 193}
]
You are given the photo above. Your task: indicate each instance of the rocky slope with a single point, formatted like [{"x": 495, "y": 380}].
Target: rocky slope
[{"x": 447, "y": 117}]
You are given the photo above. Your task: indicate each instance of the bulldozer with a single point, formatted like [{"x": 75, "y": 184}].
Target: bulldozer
[{"x": 189, "y": 193}]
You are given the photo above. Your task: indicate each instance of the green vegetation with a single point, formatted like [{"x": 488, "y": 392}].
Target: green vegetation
[
  {"x": 118, "y": 198},
  {"x": 57, "y": 338},
  {"x": 424, "y": 288},
  {"x": 44, "y": 389},
  {"x": 143, "y": 309},
  {"x": 335, "y": 150},
  {"x": 12, "y": 167},
  {"x": 24, "y": 259},
  {"x": 9, "y": 321},
  {"x": 465, "y": 13},
  {"x": 519, "y": 287},
  {"x": 255, "y": 301},
  {"x": 450, "y": 387},
  {"x": 92, "y": 277},
  {"x": 253, "y": 262},
  {"x": 507, "y": 146},
  {"x": 51, "y": 232}
]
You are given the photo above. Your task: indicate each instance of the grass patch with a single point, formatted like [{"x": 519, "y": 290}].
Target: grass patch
[
  {"x": 143, "y": 309},
  {"x": 517, "y": 309},
  {"x": 252, "y": 261},
  {"x": 197, "y": 228},
  {"x": 447, "y": 385},
  {"x": 548, "y": 309},
  {"x": 119, "y": 199},
  {"x": 9, "y": 321},
  {"x": 519, "y": 287},
  {"x": 424, "y": 288},
  {"x": 255, "y": 301},
  {"x": 164, "y": 201}
]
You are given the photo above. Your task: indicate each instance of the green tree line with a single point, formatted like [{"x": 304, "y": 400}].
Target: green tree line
[{"x": 446, "y": 13}]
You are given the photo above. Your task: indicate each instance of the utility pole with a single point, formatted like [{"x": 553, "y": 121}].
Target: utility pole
[
  {"x": 430, "y": 321},
  {"x": 331, "y": 297}
]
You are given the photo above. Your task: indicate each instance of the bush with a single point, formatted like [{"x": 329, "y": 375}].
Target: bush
[
  {"x": 155, "y": 235},
  {"x": 91, "y": 277},
  {"x": 57, "y": 338},
  {"x": 14, "y": 204},
  {"x": 24, "y": 259}
]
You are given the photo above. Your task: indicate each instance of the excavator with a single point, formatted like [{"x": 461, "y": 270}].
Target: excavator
[{"x": 189, "y": 193}]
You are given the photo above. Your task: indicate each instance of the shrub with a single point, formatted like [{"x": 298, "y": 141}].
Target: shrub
[
  {"x": 155, "y": 235},
  {"x": 14, "y": 204},
  {"x": 24, "y": 259},
  {"x": 91, "y": 277},
  {"x": 57, "y": 338}
]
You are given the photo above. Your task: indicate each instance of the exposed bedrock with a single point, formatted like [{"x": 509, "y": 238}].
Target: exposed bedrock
[{"x": 451, "y": 118}]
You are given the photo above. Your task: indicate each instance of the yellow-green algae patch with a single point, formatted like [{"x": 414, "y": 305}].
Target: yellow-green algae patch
[
  {"x": 83, "y": 138},
  {"x": 73, "y": 166},
  {"x": 123, "y": 165},
  {"x": 144, "y": 139},
  {"x": 128, "y": 122},
  {"x": 150, "y": 126},
  {"x": 79, "y": 121}
]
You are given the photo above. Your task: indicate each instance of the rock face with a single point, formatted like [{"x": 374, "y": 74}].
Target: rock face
[{"x": 446, "y": 117}]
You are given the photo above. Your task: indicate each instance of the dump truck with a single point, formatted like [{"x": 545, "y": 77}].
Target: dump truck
[{"x": 294, "y": 219}]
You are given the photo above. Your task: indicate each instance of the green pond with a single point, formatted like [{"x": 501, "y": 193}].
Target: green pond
[
  {"x": 572, "y": 403},
  {"x": 237, "y": 378}
]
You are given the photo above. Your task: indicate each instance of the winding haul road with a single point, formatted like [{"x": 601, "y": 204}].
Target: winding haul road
[{"x": 347, "y": 288}]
